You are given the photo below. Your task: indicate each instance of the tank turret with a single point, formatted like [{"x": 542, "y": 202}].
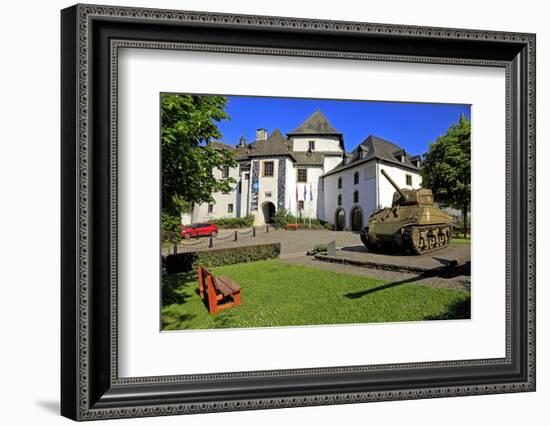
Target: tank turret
[{"x": 412, "y": 224}]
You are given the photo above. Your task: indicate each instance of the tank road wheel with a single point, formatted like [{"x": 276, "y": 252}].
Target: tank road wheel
[
  {"x": 422, "y": 240},
  {"x": 412, "y": 241}
]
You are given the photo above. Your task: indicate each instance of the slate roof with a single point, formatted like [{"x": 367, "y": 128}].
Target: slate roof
[
  {"x": 375, "y": 147},
  {"x": 316, "y": 124},
  {"x": 275, "y": 144},
  {"x": 222, "y": 146},
  {"x": 309, "y": 159}
]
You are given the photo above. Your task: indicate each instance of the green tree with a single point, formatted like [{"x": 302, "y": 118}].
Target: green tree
[
  {"x": 446, "y": 168},
  {"x": 188, "y": 124}
]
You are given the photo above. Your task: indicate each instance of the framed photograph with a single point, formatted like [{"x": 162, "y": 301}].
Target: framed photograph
[{"x": 263, "y": 212}]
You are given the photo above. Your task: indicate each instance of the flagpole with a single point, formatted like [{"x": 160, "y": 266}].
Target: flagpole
[
  {"x": 296, "y": 218},
  {"x": 310, "y": 201}
]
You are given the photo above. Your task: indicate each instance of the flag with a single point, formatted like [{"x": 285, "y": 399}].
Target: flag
[
  {"x": 310, "y": 192},
  {"x": 305, "y": 192}
]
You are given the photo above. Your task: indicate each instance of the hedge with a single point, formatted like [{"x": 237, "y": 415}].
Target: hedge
[
  {"x": 187, "y": 261},
  {"x": 233, "y": 222}
]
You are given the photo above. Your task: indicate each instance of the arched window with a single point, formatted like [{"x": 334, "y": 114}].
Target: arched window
[
  {"x": 355, "y": 196},
  {"x": 340, "y": 199},
  {"x": 340, "y": 182},
  {"x": 356, "y": 178}
]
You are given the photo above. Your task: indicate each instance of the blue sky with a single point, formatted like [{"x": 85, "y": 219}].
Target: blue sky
[{"x": 410, "y": 125}]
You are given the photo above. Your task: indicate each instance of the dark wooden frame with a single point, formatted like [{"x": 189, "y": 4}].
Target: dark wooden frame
[{"x": 91, "y": 388}]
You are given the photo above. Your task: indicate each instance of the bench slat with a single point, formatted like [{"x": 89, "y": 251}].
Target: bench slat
[
  {"x": 230, "y": 283},
  {"x": 222, "y": 287}
]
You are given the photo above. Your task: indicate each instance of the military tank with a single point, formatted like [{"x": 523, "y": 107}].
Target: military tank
[{"x": 411, "y": 225}]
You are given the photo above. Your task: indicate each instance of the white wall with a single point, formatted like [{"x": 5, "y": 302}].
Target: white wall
[
  {"x": 330, "y": 162},
  {"x": 30, "y": 301},
  {"x": 398, "y": 175},
  {"x": 222, "y": 201},
  {"x": 324, "y": 143},
  {"x": 245, "y": 189},
  {"x": 369, "y": 195}
]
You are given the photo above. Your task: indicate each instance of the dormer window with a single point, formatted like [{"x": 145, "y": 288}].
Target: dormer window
[
  {"x": 311, "y": 145},
  {"x": 400, "y": 155}
]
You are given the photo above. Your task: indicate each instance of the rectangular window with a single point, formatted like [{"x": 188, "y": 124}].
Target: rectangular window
[
  {"x": 409, "y": 180},
  {"x": 300, "y": 205},
  {"x": 268, "y": 169},
  {"x": 210, "y": 208},
  {"x": 311, "y": 145},
  {"x": 247, "y": 176},
  {"x": 239, "y": 187},
  {"x": 302, "y": 175},
  {"x": 267, "y": 195},
  {"x": 230, "y": 208},
  {"x": 225, "y": 172}
]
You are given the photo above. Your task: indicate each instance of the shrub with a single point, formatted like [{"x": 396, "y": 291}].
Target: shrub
[
  {"x": 188, "y": 261},
  {"x": 170, "y": 228},
  {"x": 319, "y": 248},
  {"x": 282, "y": 218},
  {"x": 234, "y": 222}
]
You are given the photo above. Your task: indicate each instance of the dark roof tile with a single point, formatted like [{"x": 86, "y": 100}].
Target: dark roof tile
[{"x": 316, "y": 124}]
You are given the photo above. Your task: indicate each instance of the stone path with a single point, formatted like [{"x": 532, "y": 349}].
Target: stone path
[
  {"x": 456, "y": 281},
  {"x": 358, "y": 255}
]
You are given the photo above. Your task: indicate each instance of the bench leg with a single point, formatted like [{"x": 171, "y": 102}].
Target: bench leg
[
  {"x": 212, "y": 301},
  {"x": 237, "y": 298}
]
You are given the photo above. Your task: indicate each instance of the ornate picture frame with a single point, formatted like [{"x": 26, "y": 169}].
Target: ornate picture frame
[{"x": 91, "y": 37}]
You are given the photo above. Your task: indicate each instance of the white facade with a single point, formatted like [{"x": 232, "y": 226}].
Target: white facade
[
  {"x": 225, "y": 205},
  {"x": 309, "y": 174},
  {"x": 324, "y": 143}
]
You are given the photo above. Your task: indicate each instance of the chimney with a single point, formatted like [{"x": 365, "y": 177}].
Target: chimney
[
  {"x": 242, "y": 141},
  {"x": 261, "y": 135}
]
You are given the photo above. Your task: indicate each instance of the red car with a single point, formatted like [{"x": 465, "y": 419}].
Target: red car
[{"x": 198, "y": 230}]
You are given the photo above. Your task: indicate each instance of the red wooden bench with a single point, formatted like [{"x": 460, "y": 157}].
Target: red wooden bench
[{"x": 221, "y": 292}]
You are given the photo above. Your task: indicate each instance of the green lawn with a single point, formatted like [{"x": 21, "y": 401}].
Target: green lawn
[
  {"x": 460, "y": 240},
  {"x": 279, "y": 294}
]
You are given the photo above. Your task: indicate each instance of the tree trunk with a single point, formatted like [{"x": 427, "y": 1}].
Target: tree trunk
[{"x": 465, "y": 219}]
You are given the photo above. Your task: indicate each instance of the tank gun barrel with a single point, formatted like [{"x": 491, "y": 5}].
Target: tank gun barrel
[{"x": 393, "y": 184}]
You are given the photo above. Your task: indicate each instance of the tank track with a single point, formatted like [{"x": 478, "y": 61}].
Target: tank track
[{"x": 426, "y": 239}]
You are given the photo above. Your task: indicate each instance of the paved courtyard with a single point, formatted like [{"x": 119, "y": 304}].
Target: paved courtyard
[
  {"x": 448, "y": 268},
  {"x": 292, "y": 242}
]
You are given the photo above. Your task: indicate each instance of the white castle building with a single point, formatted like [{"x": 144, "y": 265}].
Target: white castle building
[{"x": 309, "y": 173}]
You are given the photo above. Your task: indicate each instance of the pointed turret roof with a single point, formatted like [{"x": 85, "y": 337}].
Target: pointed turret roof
[{"x": 316, "y": 124}]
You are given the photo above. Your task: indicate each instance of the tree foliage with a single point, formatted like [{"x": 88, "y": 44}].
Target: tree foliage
[
  {"x": 446, "y": 167},
  {"x": 188, "y": 125}
]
